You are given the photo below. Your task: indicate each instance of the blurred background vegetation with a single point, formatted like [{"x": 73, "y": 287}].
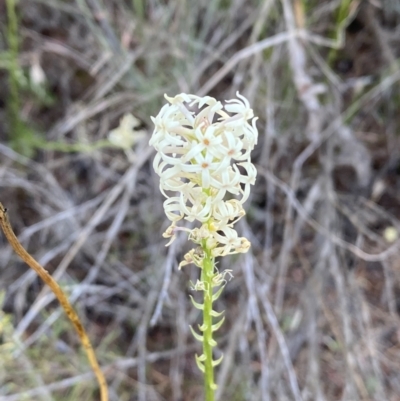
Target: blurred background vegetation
[{"x": 313, "y": 310}]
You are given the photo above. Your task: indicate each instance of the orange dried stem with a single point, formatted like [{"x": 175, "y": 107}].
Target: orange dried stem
[{"x": 62, "y": 298}]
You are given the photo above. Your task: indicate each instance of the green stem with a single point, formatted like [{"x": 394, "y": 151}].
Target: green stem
[
  {"x": 207, "y": 276},
  {"x": 13, "y": 69}
]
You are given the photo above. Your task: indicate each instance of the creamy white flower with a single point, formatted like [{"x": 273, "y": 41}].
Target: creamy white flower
[
  {"x": 228, "y": 213},
  {"x": 203, "y": 166},
  {"x": 203, "y": 152},
  {"x": 240, "y": 108},
  {"x": 227, "y": 181},
  {"x": 172, "y": 205},
  {"x": 199, "y": 210},
  {"x": 248, "y": 179},
  {"x": 232, "y": 147},
  {"x": 205, "y": 140},
  {"x": 126, "y": 135},
  {"x": 230, "y": 241}
]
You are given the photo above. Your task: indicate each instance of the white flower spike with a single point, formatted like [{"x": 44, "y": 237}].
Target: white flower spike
[{"x": 203, "y": 152}]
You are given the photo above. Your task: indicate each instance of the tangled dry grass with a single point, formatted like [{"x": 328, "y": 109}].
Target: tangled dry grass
[{"x": 313, "y": 310}]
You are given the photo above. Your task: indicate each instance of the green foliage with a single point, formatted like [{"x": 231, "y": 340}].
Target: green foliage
[
  {"x": 139, "y": 8},
  {"x": 22, "y": 138},
  {"x": 342, "y": 17},
  {"x": 72, "y": 147}
]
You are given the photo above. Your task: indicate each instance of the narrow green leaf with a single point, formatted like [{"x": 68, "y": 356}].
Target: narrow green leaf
[
  {"x": 199, "y": 364},
  {"x": 196, "y": 304},
  {"x": 216, "y": 326},
  {"x": 218, "y": 293},
  {"x": 212, "y": 342},
  {"x": 218, "y": 361},
  {"x": 195, "y": 335},
  {"x": 203, "y": 327},
  {"x": 216, "y": 314}
]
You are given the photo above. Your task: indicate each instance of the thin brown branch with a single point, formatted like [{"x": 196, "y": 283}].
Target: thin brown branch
[{"x": 62, "y": 298}]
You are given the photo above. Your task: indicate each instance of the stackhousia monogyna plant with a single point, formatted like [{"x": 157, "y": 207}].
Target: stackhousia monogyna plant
[{"x": 203, "y": 152}]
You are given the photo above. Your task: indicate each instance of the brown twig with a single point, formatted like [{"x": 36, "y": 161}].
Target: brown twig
[{"x": 62, "y": 298}]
